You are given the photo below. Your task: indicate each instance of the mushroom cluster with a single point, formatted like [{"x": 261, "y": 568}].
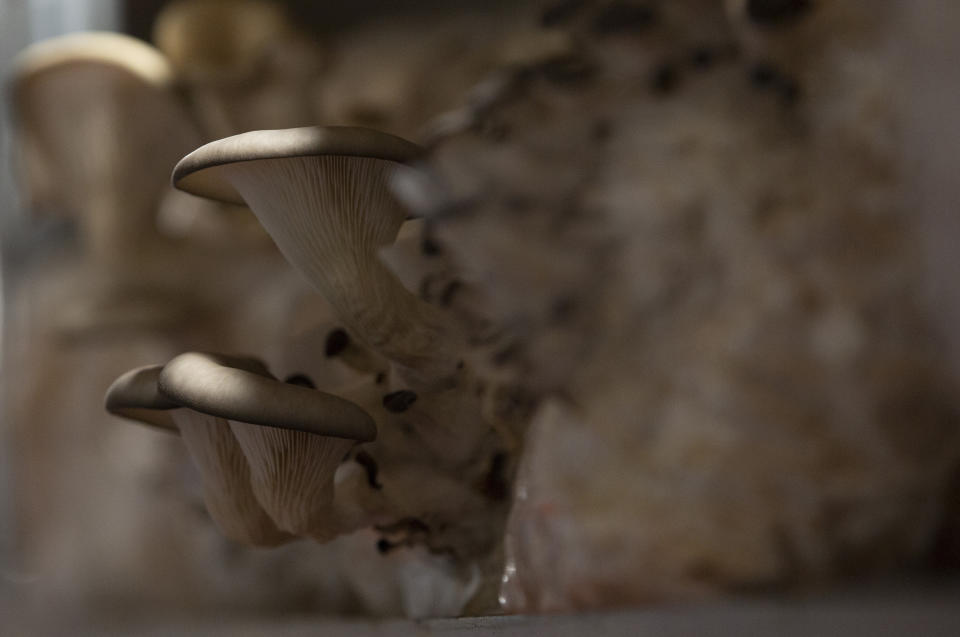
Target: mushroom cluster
[
  {"x": 266, "y": 450},
  {"x": 279, "y": 460}
]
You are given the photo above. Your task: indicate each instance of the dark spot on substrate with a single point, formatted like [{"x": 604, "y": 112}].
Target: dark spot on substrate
[
  {"x": 449, "y": 292},
  {"x": 369, "y": 465},
  {"x": 337, "y": 341},
  {"x": 495, "y": 131},
  {"x": 702, "y": 57},
  {"x": 562, "y": 308},
  {"x": 408, "y": 525},
  {"x": 429, "y": 247},
  {"x": 518, "y": 203},
  {"x": 399, "y": 401},
  {"x": 624, "y": 17},
  {"x": 301, "y": 380},
  {"x": 495, "y": 484},
  {"x": 380, "y": 377},
  {"x": 776, "y": 12},
  {"x": 665, "y": 79},
  {"x": 602, "y": 130},
  {"x": 384, "y": 546},
  {"x": 560, "y": 12},
  {"x": 568, "y": 70},
  {"x": 507, "y": 354},
  {"x": 789, "y": 90},
  {"x": 765, "y": 76}
]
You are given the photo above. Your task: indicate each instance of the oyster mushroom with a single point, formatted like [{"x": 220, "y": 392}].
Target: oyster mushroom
[
  {"x": 97, "y": 128},
  {"x": 81, "y": 103},
  {"x": 210, "y": 443},
  {"x": 293, "y": 437},
  {"x": 245, "y": 64},
  {"x": 322, "y": 193}
]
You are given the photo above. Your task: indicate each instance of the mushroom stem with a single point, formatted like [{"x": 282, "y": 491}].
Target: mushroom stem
[
  {"x": 323, "y": 194},
  {"x": 364, "y": 293}
]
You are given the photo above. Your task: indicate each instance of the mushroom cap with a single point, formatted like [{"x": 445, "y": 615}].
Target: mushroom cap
[
  {"x": 219, "y": 40},
  {"x": 94, "y": 47},
  {"x": 86, "y": 106},
  {"x": 199, "y": 172},
  {"x": 135, "y": 395},
  {"x": 242, "y": 390}
]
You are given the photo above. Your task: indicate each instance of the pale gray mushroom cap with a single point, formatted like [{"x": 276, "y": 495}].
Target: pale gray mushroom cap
[
  {"x": 135, "y": 395},
  {"x": 203, "y": 173},
  {"x": 242, "y": 390}
]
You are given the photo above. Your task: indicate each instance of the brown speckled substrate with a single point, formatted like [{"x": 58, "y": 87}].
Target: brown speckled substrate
[{"x": 688, "y": 231}]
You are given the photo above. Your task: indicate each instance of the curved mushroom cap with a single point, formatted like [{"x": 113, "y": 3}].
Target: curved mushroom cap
[
  {"x": 218, "y": 40},
  {"x": 242, "y": 390},
  {"x": 98, "y": 47},
  {"x": 135, "y": 395},
  {"x": 202, "y": 172},
  {"x": 98, "y": 127}
]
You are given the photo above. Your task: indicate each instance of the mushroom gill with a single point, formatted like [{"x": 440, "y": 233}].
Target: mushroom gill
[
  {"x": 215, "y": 452},
  {"x": 293, "y": 437}
]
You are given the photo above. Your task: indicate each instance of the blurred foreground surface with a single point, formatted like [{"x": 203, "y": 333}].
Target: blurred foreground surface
[{"x": 891, "y": 610}]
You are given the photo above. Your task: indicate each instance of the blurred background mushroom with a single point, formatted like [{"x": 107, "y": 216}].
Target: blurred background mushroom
[{"x": 244, "y": 63}]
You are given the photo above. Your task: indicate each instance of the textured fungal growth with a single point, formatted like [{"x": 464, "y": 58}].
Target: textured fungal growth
[{"x": 707, "y": 292}]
